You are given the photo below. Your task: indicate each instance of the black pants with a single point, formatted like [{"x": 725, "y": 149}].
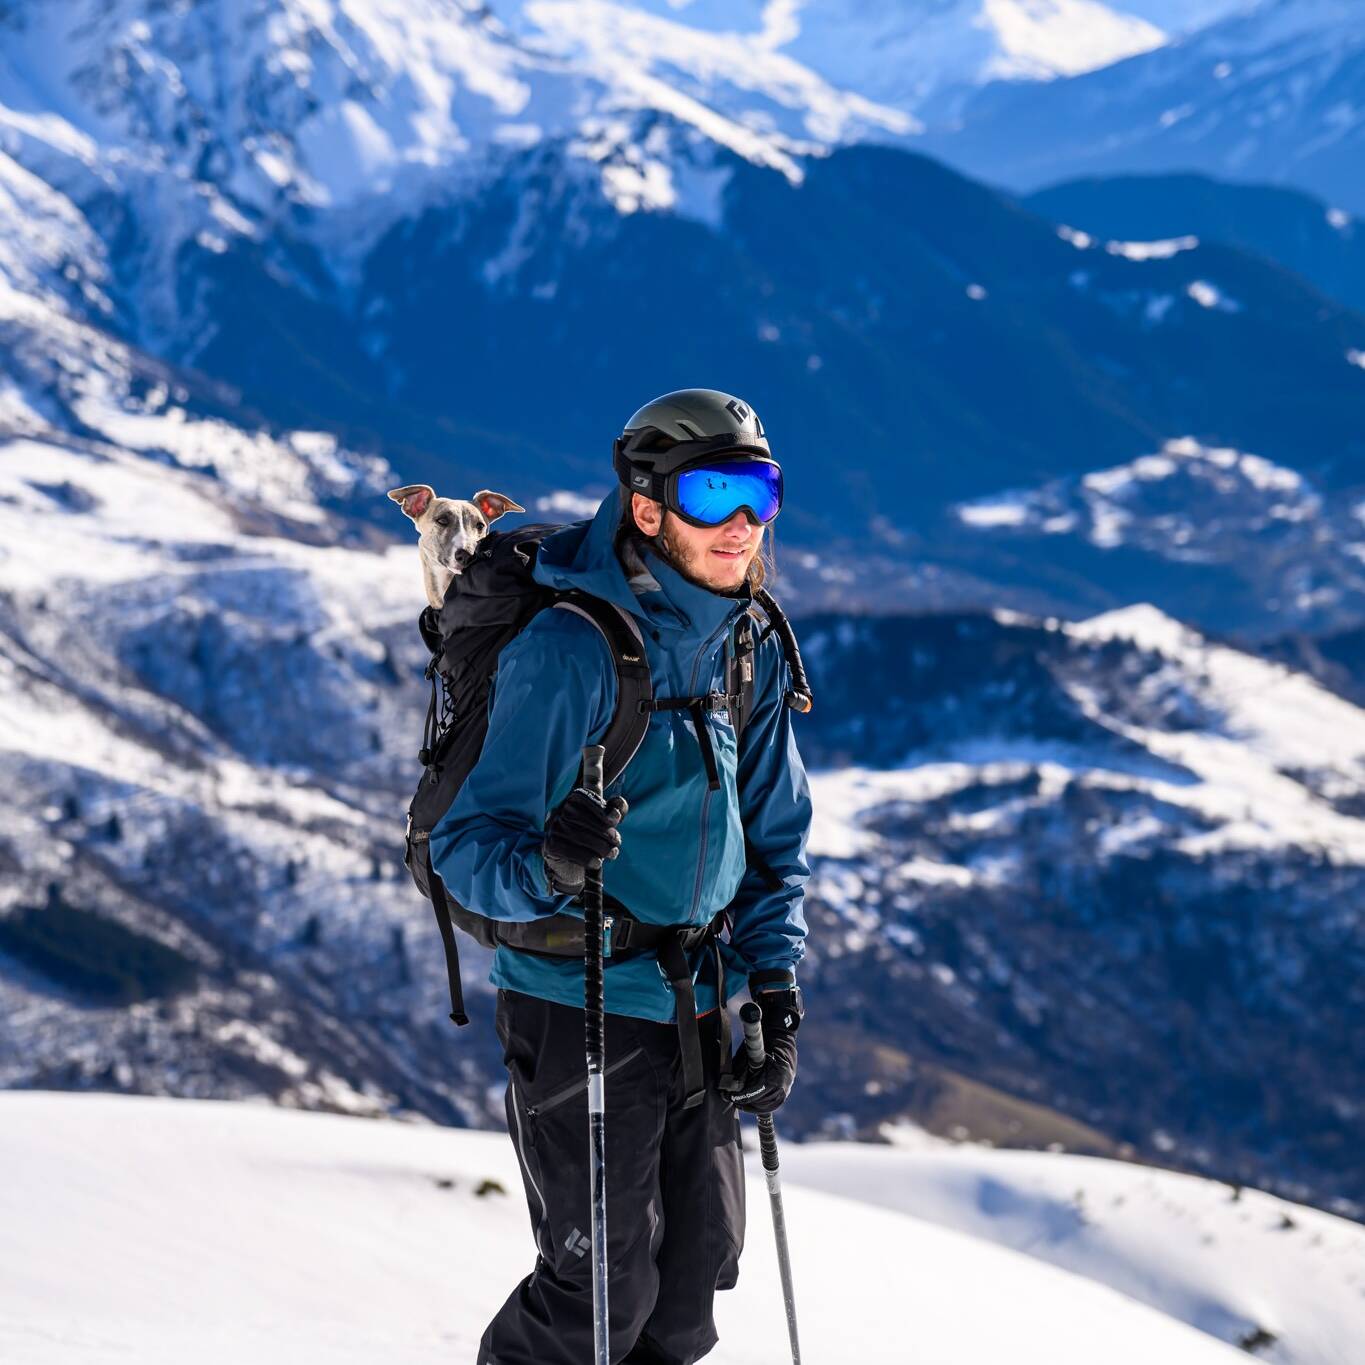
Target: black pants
[{"x": 675, "y": 1192}]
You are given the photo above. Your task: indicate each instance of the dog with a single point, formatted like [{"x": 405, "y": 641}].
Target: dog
[{"x": 449, "y": 530}]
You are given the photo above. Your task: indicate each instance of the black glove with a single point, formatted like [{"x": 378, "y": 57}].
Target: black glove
[
  {"x": 764, "y": 1091},
  {"x": 580, "y": 832}
]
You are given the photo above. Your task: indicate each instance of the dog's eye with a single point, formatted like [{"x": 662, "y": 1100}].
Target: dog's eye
[
  {"x": 443, "y": 519},
  {"x": 479, "y": 530}
]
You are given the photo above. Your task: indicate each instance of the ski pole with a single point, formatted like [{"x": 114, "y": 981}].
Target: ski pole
[
  {"x": 752, "y": 1018},
  {"x": 596, "y": 1036}
]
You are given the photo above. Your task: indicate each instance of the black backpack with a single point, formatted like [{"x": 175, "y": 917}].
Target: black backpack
[{"x": 485, "y": 607}]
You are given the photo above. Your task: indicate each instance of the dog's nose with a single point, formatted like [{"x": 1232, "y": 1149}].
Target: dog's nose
[{"x": 462, "y": 557}]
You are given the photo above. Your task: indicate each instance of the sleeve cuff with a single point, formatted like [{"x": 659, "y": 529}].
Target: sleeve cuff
[{"x": 775, "y": 979}]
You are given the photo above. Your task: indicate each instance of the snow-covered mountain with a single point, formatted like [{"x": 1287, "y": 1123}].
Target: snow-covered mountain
[
  {"x": 1269, "y": 94},
  {"x": 215, "y": 122},
  {"x": 934, "y": 1252},
  {"x": 387, "y": 217},
  {"x": 1216, "y": 534},
  {"x": 1116, "y": 865},
  {"x": 913, "y": 57},
  {"x": 210, "y": 701},
  {"x": 253, "y": 257}
]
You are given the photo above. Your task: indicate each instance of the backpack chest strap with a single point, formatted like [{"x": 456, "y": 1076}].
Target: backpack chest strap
[{"x": 700, "y": 707}]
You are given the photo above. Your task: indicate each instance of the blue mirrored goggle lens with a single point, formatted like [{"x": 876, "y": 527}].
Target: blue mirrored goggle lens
[{"x": 714, "y": 492}]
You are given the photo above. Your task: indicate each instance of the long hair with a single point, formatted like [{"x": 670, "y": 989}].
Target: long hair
[{"x": 762, "y": 567}]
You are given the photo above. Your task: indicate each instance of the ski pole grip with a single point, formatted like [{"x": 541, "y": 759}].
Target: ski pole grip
[
  {"x": 752, "y": 1018},
  {"x": 593, "y": 757}
]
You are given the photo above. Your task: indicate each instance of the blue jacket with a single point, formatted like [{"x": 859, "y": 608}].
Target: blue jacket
[{"x": 682, "y": 855}]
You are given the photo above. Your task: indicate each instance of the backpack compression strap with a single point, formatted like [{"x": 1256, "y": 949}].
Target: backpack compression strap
[{"x": 634, "y": 691}]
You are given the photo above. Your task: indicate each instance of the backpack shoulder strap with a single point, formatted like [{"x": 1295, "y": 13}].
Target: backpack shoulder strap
[
  {"x": 740, "y": 683},
  {"x": 634, "y": 685},
  {"x": 798, "y": 695}
]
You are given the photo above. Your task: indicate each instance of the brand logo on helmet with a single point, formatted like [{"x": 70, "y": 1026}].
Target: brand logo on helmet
[
  {"x": 641, "y": 480},
  {"x": 739, "y": 411}
]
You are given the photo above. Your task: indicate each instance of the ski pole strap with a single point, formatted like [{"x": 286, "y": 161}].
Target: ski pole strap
[{"x": 443, "y": 923}]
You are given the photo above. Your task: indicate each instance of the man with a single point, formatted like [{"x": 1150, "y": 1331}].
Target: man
[{"x": 678, "y": 546}]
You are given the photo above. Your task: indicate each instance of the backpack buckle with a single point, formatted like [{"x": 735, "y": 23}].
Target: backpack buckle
[{"x": 718, "y": 703}]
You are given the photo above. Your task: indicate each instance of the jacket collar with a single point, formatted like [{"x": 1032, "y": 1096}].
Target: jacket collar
[{"x": 581, "y": 555}]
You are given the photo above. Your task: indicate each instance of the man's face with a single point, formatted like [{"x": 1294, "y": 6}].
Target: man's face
[{"x": 714, "y": 557}]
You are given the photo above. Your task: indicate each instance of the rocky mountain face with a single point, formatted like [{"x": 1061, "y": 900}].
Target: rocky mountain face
[
  {"x": 1310, "y": 238},
  {"x": 1112, "y": 863}
]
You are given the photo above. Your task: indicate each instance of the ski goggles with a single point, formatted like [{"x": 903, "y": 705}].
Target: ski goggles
[{"x": 711, "y": 493}]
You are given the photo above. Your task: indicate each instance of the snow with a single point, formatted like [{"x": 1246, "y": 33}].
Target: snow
[
  {"x": 1082, "y": 241},
  {"x": 1065, "y": 37},
  {"x": 166, "y": 1230},
  {"x": 337, "y": 117},
  {"x": 1275, "y": 722},
  {"x": 1208, "y": 488},
  {"x": 363, "y": 111},
  {"x": 1208, "y": 295},
  {"x": 1217, "y": 1258},
  {"x": 81, "y": 520},
  {"x": 907, "y": 57},
  {"x": 1152, "y": 251},
  {"x": 566, "y": 504},
  {"x": 1006, "y": 510},
  {"x": 1241, "y": 779},
  {"x": 48, "y": 253}
]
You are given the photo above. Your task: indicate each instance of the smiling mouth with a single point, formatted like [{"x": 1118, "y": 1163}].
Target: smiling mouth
[{"x": 729, "y": 554}]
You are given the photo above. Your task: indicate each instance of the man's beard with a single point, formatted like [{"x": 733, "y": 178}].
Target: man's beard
[{"x": 674, "y": 553}]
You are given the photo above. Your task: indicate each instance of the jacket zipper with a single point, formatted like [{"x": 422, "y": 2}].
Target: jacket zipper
[
  {"x": 567, "y": 1092},
  {"x": 706, "y": 796}
]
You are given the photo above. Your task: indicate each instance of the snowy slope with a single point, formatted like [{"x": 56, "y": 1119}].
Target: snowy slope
[
  {"x": 1284, "y": 1282},
  {"x": 224, "y": 1231}
]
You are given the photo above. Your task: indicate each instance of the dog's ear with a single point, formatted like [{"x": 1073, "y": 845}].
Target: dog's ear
[
  {"x": 414, "y": 499},
  {"x": 493, "y": 505}
]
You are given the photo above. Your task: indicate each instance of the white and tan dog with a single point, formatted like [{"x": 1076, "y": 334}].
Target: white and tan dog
[{"x": 449, "y": 530}]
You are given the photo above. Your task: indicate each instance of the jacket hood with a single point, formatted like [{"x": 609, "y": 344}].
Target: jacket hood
[{"x": 582, "y": 556}]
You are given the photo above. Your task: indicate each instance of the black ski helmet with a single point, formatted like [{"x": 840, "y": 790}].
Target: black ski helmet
[{"x": 680, "y": 428}]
